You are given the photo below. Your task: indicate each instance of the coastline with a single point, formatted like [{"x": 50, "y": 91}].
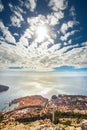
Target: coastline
[{"x": 70, "y": 101}]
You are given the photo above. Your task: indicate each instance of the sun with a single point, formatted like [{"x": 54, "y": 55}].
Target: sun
[{"x": 42, "y": 33}]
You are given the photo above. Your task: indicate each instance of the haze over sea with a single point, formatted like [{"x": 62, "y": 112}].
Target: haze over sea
[{"x": 45, "y": 84}]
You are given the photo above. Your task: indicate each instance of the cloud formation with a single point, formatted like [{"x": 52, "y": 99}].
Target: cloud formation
[
  {"x": 66, "y": 26},
  {"x": 1, "y": 6},
  {"x": 34, "y": 59},
  {"x": 57, "y": 48},
  {"x": 67, "y": 35},
  {"x": 7, "y": 36},
  {"x": 58, "y": 5},
  {"x": 30, "y": 4},
  {"x": 16, "y": 18}
]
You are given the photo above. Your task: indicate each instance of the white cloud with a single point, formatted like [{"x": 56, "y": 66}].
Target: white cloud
[
  {"x": 72, "y": 11},
  {"x": 16, "y": 34},
  {"x": 84, "y": 44},
  {"x": 16, "y": 18},
  {"x": 67, "y": 35},
  {"x": 70, "y": 24},
  {"x": 6, "y": 33},
  {"x": 54, "y": 48},
  {"x": 1, "y": 39},
  {"x": 58, "y": 5},
  {"x": 77, "y": 57},
  {"x": 30, "y": 4},
  {"x": 66, "y": 26},
  {"x": 16, "y": 22},
  {"x": 42, "y": 57},
  {"x": 1, "y": 6},
  {"x": 40, "y": 19},
  {"x": 12, "y": 55},
  {"x": 70, "y": 41},
  {"x": 16, "y": 8},
  {"x": 54, "y": 18}
]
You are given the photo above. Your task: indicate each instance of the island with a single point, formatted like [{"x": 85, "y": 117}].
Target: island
[{"x": 3, "y": 88}]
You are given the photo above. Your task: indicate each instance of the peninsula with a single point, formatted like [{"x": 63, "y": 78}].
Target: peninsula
[{"x": 3, "y": 88}]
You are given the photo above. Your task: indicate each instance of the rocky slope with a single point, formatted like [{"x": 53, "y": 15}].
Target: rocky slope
[
  {"x": 37, "y": 113},
  {"x": 41, "y": 125}
]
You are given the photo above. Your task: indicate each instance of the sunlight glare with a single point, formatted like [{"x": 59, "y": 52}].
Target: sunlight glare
[{"x": 42, "y": 33}]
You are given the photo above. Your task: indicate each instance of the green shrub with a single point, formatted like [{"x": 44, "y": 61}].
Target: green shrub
[
  {"x": 67, "y": 123},
  {"x": 56, "y": 120}
]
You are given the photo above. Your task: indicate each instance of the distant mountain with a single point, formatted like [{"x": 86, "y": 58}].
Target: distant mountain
[{"x": 3, "y": 88}]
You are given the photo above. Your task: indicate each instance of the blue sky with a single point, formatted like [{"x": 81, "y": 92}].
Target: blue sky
[{"x": 43, "y": 35}]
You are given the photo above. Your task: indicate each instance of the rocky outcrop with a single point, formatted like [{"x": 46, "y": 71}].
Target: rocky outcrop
[
  {"x": 3, "y": 88},
  {"x": 84, "y": 125},
  {"x": 54, "y": 97}
]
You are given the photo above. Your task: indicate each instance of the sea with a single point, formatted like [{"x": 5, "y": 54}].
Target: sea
[{"x": 37, "y": 83}]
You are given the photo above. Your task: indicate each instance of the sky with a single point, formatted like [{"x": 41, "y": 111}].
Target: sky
[{"x": 43, "y": 35}]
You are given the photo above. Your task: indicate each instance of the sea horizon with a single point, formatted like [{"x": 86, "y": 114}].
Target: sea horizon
[{"x": 45, "y": 84}]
